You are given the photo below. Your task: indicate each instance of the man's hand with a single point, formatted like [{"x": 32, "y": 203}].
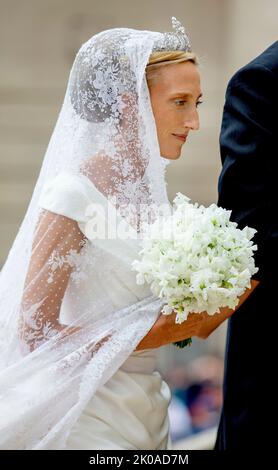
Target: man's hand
[{"x": 166, "y": 331}]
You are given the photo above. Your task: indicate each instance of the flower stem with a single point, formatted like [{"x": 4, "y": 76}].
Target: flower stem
[{"x": 183, "y": 343}]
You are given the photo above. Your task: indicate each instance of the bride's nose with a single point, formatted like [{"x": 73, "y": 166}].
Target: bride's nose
[{"x": 192, "y": 120}]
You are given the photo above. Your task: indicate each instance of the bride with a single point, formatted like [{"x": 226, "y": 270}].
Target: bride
[{"x": 78, "y": 336}]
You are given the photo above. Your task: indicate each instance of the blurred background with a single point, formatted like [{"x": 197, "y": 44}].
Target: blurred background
[{"x": 38, "y": 42}]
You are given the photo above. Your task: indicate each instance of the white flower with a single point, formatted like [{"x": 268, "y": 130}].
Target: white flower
[{"x": 196, "y": 259}]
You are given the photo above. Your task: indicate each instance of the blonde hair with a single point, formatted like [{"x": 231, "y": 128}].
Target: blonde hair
[{"x": 162, "y": 58}]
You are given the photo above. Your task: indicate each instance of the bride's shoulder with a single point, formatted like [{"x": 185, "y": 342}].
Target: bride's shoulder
[
  {"x": 64, "y": 183},
  {"x": 65, "y": 193}
]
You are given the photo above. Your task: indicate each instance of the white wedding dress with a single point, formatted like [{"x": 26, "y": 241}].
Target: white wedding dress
[{"x": 130, "y": 411}]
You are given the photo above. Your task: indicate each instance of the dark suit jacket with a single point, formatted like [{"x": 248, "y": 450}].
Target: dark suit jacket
[{"x": 248, "y": 185}]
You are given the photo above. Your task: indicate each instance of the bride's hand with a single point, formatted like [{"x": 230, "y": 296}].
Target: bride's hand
[{"x": 167, "y": 331}]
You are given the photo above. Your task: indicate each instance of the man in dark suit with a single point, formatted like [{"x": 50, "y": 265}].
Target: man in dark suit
[{"x": 248, "y": 186}]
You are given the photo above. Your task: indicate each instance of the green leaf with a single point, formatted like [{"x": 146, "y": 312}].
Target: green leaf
[
  {"x": 183, "y": 343},
  {"x": 226, "y": 284}
]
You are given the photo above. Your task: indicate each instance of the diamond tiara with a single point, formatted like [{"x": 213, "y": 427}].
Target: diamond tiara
[{"x": 176, "y": 40}]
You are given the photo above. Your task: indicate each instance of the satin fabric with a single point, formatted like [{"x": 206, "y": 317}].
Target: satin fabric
[{"x": 129, "y": 412}]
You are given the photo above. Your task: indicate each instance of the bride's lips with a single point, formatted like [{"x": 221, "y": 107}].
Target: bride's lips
[{"x": 180, "y": 137}]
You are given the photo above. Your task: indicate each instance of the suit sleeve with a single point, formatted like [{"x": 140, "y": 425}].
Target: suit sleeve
[{"x": 248, "y": 154}]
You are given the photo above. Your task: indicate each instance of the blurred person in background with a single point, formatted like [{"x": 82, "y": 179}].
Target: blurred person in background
[{"x": 196, "y": 395}]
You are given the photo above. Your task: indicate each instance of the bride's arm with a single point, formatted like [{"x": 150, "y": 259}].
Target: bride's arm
[
  {"x": 56, "y": 238},
  {"x": 166, "y": 331}
]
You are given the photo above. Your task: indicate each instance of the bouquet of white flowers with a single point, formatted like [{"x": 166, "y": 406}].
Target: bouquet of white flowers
[{"x": 196, "y": 259}]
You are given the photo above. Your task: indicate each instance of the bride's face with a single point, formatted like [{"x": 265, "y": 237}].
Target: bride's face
[{"x": 175, "y": 93}]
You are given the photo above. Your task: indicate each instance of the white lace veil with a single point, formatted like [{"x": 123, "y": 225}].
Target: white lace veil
[{"x": 59, "y": 340}]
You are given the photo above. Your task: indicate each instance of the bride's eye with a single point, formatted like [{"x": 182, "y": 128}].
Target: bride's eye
[
  {"x": 180, "y": 102},
  {"x": 198, "y": 103}
]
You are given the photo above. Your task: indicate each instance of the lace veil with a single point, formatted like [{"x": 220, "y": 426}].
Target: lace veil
[{"x": 66, "y": 320}]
